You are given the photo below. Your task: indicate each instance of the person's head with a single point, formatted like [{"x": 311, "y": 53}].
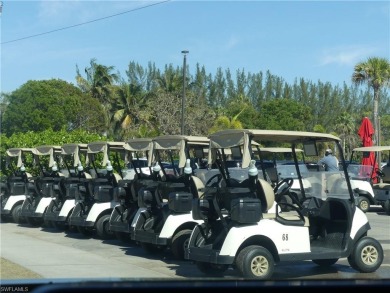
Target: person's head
[{"x": 328, "y": 152}]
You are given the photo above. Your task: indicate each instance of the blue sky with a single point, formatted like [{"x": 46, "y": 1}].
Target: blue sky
[{"x": 314, "y": 40}]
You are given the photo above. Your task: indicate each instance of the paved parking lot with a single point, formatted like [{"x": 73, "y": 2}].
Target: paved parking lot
[{"x": 55, "y": 255}]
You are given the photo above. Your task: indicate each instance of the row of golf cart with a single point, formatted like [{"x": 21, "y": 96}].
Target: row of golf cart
[{"x": 248, "y": 215}]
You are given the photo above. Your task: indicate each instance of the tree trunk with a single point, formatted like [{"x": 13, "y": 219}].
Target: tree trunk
[{"x": 376, "y": 121}]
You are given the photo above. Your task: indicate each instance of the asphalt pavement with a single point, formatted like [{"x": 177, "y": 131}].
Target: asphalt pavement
[{"x": 57, "y": 255}]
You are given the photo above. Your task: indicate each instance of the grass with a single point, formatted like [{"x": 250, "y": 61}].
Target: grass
[{"x": 10, "y": 270}]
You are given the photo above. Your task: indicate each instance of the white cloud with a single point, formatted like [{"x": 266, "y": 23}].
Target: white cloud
[
  {"x": 232, "y": 42},
  {"x": 348, "y": 55}
]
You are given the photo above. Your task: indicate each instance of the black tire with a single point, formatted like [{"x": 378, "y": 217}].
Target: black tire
[
  {"x": 4, "y": 218},
  {"x": 48, "y": 224},
  {"x": 386, "y": 206},
  {"x": 103, "y": 228},
  {"x": 255, "y": 262},
  {"x": 180, "y": 243},
  {"x": 58, "y": 225},
  {"x": 85, "y": 231},
  {"x": 123, "y": 236},
  {"x": 363, "y": 204},
  {"x": 16, "y": 214},
  {"x": 325, "y": 262},
  {"x": 210, "y": 269},
  {"x": 35, "y": 222},
  {"x": 367, "y": 255},
  {"x": 152, "y": 248},
  {"x": 69, "y": 229}
]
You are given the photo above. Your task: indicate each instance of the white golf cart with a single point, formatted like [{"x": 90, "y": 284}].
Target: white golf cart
[
  {"x": 64, "y": 200},
  {"x": 164, "y": 217},
  {"x": 41, "y": 192},
  {"x": 380, "y": 194},
  {"x": 14, "y": 190},
  {"x": 126, "y": 194},
  {"x": 326, "y": 227},
  {"x": 95, "y": 199}
]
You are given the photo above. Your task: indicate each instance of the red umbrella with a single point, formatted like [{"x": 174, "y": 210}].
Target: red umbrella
[{"x": 366, "y": 131}]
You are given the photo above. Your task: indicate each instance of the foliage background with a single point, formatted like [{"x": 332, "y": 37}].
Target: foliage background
[{"x": 103, "y": 105}]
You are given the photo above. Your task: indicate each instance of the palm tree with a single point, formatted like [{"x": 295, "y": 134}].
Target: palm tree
[
  {"x": 130, "y": 108},
  {"x": 346, "y": 128},
  {"x": 99, "y": 83},
  {"x": 376, "y": 73},
  {"x": 224, "y": 122},
  {"x": 171, "y": 81}
]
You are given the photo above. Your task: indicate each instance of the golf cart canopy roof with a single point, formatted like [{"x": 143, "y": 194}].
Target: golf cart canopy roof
[
  {"x": 372, "y": 149},
  {"x": 104, "y": 147},
  {"x": 278, "y": 150},
  {"x": 237, "y": 137},
  {"x": 178, "y": 142},
  {"x": 74, "y": 149},
  {"x": 46, "y": 150},
  {"x": 172, "y": 142},
  {"x": 17, "y": 152},
  {"x": 140, "y": 145}
]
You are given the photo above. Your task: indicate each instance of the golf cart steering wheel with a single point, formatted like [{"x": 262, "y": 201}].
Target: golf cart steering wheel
[
  {"x": 283, "y": 187},
  {"x": 218, "y": 175},
  {"x": 380, "y": 173}
]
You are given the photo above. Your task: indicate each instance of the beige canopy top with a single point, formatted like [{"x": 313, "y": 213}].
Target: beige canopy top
[
  {"x": 372, "y": 149},
  {"x": 46, "y": 150},
  {"x": 278, "y": 150},
  {"x": 74, "y": 149},
  {"x": 241, "y": 137},
  {"x": 144, "y": 145},
  {"x": 178, "y": 142},
  {"x": 17, "y": 153},
  {"x": 104, "y": 147}
]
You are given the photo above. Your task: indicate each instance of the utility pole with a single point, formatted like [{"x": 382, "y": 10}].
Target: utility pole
[{"x": 183, "y": 101}]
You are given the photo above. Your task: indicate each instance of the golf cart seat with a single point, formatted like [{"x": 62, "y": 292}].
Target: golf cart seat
[
  {"x": 197, "y": 187},
  {"x": 381, "y": 186},
  {"x": 266, "y": 194},
  {"x": 117, "y": 178}
]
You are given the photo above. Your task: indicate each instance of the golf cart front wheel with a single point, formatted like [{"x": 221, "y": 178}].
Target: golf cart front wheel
[
  {"x": 367, "y": 256},
  {"x": 123, "y": 236},
  {"x": 180, "y": 242},
  {"x": 103, "y": 227},
  {"x": 16, "y": 211},
  {"x": 35, "y": 222},
  {"x": 152, "y": 248},
  {"x": 364, "y": 204},
  {"x": 386, "y": 206},
  {"x": 255, "y": 262},
  {"x": 84, "y": 231}
]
